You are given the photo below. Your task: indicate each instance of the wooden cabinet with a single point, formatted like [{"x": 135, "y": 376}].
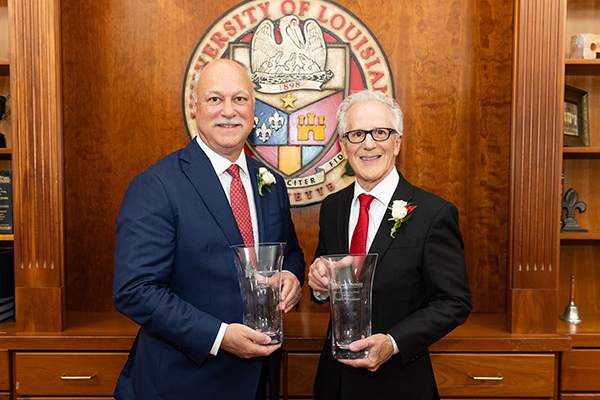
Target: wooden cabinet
[
  {"x": 495, "y": 375},
  {"x": 580, "y": 371},
  {"x": 479, "y": 359},
  {"x": 481, "y": 375},
  {"x": 580, "y": 251},
  {"x": 4, "y": 374},
  {"x": 300, "y": 372},
  {"x": 67, "y": 373},
  {"x": 83, "y": 361},
  {"x": 6, "y": 240},
  {"x": 515, "y": 272},
  {"x": 61, "y": 398}
]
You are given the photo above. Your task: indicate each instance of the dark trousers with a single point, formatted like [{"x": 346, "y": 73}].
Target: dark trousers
[{"x": 270, "y": 373}]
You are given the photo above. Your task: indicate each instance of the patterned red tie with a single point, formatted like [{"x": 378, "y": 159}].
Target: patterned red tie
[
  {"x": 239, "y": 205},
  {"x": 358, "y": 244}
]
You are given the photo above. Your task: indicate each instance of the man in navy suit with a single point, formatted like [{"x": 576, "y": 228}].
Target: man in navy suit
[
  {"x": 174, "y": 270},
  {"x": 420, "y": 286}
]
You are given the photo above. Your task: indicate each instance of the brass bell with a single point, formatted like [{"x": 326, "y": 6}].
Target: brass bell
[{"x": 571, "y": 313}]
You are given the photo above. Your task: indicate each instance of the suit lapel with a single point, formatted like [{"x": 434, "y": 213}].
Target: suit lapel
[
  {"x": 261, "y": 202},
  {"x": 197, "y": 167},
  {"x": 343, "y": 215},
  {"x": 383, "y": 240}
]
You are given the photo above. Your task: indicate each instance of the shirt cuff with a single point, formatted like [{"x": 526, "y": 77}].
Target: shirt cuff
[
  {"x": 321, "y": 296},
  {"x": 217, "y": 344},
  {"x": 396, "y": 349}
]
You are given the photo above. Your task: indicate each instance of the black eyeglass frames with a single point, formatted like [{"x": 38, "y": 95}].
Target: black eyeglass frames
[{"x": 359, "y": 135}]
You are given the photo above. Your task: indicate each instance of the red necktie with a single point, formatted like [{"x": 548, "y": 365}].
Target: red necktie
[
  {"x": 239, "y": 205},
  {"x": 358, "y": 244}
]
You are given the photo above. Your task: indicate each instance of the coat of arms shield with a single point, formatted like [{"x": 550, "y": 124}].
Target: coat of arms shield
[{"x": 305, "y": 58}]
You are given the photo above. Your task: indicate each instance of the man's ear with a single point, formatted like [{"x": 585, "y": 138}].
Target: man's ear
[
  {"x": 343, "y": 147},
  {"x": 398, "y": 144},
  {"x": 195, "y": 105}
]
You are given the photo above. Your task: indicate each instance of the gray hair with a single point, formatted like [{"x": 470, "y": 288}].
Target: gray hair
[
  {"x": 365, "y": 95},
  {"x": 202, "y": 68}
]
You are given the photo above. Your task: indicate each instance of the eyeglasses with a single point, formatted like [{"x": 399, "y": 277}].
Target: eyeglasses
[{"x": 359, "y": 135}]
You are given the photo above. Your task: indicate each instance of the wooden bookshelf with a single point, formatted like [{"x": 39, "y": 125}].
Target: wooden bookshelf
[{"x": 582, "y": 67}]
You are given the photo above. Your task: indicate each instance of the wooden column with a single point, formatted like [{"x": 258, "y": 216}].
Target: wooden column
[
  {"x": 538, "y": 82},
  {"x": 35, "y": 68}
]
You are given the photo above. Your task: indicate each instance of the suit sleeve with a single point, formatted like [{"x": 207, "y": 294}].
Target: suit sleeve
[
  {"x": 448, "y": 299},
  {"x": 144, "y": 259}
]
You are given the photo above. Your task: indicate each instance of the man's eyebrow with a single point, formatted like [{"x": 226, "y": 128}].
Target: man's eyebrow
[
  {"x": 219, "y": 93},
  {"x": 241, "y": 91}
]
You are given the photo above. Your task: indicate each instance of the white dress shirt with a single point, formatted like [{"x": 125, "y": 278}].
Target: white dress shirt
[
  {"x": 220, "y": 165},
  {"x": 383, "y": 193}
]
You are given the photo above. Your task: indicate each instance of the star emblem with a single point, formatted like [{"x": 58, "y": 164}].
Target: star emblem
[{"x": 288, "y": 101}]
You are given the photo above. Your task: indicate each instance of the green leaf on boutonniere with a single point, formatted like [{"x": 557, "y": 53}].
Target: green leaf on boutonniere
[{"x": 401, "y": 212}]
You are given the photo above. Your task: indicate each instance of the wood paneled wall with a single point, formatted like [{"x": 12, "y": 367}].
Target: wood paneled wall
[
  {"x": 536, "y": 151},
  {"x": 38, "y": 165},
  {"x": 123, "y": 68}
]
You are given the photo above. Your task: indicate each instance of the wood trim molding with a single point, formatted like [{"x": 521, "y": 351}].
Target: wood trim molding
[
  {"x": 38, "y": 164},
  {"x": 538, "y": 81}
]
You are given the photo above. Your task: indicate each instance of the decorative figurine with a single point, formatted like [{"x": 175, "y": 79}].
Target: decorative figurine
[
  {"x": 585, "y": 46},
  {"x": 571, "y": 203}
]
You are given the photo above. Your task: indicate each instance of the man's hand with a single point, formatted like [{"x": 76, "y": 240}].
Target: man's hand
[
  {"x": 290, "y": 291},
  {"x": 317, "y": 276},
  {"x": 380, "y": 350},
  {"x": 244, "y": 342}
]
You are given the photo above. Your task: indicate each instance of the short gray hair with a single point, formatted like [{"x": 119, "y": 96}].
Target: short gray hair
[
  {"x": 202, "y": 68},
  {"x": 365, "y": 95}
]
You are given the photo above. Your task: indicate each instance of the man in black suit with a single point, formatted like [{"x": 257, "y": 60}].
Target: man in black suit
[{"x": 420, "y": 285}]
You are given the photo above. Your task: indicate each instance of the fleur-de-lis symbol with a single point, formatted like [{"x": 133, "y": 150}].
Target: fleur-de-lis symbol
[
  {"x": 571, "y": 203},
  {"x": 255, "y": 122},
  {"x": 263, "y": 133},
  {"x": 276, "y": 121}
]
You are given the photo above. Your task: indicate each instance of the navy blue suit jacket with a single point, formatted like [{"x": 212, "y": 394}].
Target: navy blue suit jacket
[{"x": 175, "y": 276}]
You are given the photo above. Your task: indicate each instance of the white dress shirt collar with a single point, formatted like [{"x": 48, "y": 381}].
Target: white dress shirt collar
[
  {"x": 220, "y": 163},
  {"x": 384, "y": 191}
]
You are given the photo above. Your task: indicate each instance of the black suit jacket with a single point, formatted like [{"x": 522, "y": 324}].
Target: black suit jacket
[{"x": 420, "y": 293}]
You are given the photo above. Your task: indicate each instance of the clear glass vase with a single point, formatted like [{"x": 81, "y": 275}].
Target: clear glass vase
[
  {"x": 350, "y": 285},
  {"x": 259, "y": 275}
]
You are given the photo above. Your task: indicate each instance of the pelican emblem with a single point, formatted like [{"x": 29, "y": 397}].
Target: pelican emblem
[{"x": 297, "y": 62}]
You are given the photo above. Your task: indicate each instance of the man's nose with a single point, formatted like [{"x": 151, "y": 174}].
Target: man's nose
[
  {"x": 369, "y": 142},
  {"x": 228, "y": 109}
]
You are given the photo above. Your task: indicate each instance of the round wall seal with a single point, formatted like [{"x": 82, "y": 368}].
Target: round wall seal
[{"x": 305, "y": 58}]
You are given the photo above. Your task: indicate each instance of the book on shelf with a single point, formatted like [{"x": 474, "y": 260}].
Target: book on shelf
[
  {"x": 7, "y": 274},
  {"x": 7, "y": 308},
  {"x": 6, "y": 204},
  {"x": 7, "y": 285}
]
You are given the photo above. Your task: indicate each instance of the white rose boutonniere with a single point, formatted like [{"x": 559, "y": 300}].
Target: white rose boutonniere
[
  {"x": 401, "y": 212},
  {"x": 265, "y": 178}
]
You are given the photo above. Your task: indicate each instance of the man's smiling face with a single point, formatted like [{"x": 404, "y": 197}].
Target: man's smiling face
[
  {"x": 371, "y": 160},
  {"x": 224, "y": 108}
]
